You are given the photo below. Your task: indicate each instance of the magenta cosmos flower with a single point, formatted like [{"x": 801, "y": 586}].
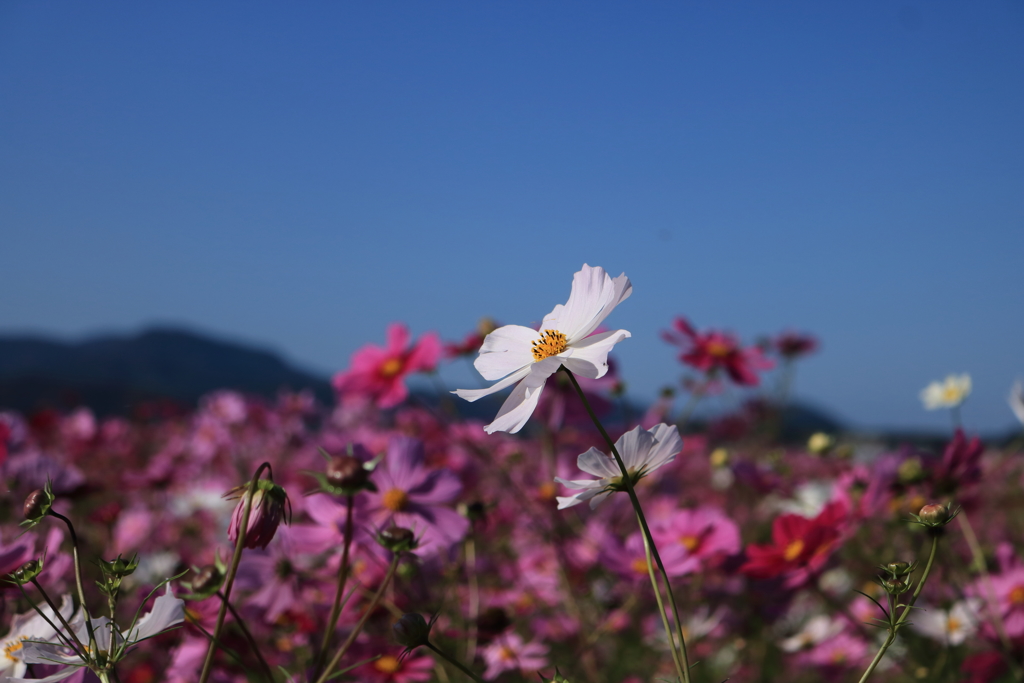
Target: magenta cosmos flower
[
  {"x": 568, "y": 336},
  {"x": 509, "y": 652},
  {"x": 379, "y": 373},
  {"x": 412, "y": 496},
  {"x": 713, "y": 352}
]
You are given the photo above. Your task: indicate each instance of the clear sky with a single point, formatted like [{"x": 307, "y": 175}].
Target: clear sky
[{"x": 298, "y": 175}]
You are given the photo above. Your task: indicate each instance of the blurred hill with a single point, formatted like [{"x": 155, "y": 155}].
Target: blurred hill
[{"x": 116, "y": 374}]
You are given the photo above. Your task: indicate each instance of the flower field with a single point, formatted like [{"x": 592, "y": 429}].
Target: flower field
[{"x": 387, "y": 537}]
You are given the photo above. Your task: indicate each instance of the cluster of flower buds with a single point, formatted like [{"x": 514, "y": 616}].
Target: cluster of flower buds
[
  {"x": 935, "y": 516},
  {"x": 895, "y": 577},
  {"x": 114, "y": 572}
]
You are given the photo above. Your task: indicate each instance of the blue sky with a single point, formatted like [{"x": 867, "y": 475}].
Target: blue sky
[{"x": 300, "y": 175}]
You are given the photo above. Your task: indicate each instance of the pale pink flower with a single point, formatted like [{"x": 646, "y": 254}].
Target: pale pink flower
[{"x": 509, "y": 652}]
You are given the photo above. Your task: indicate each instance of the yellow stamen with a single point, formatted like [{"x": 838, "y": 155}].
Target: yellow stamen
[
  {"x": 1017, "y": 595},
  {"x": 718, "y": 349},
  {"x": 547, "y": 491},
  {"x": 952, "y": 625},
  {"x": 396, "y": 500},
  {"x": 13, "y": 646},
  {"x": 391, "y": 367},
  {"x": 507, "y": 654},
  {"x": 793, "y": 550},
  {"x": 690, "y": 542},
  {"x": 551, "y": 343},
  {"x": 639, "y": 565},
  {"x": 387, "y": 664}
]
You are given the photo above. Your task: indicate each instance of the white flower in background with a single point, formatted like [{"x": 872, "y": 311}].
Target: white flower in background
[
  {"x": 817, "y": 630},
  {"x": 949, "y": 393},
  {"x": 809, "y": 499},
  {"x": 1017, "y": 400},
  {"x": 168, "y": 611},
  {"x": 566, "y": 337},
  {"x": 26, "y": 627},
  {"x": 949, "y": 627},
  {"x": 642, "y": 452}
]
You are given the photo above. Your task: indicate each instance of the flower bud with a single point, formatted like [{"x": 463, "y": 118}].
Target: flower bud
[
  {"x": 207, "y": 581},
  {"x": 897, "y": 569},
  {"x": 37, "y": 505},
  {"x": 26, "y": 572},
  {"x": 895, "y": 586},
  {"x": 268, "y": 508},
  {"x": 346, "y": 472},
  {"x": 397, "y": 539},
  {"x": 119, "y": 568},
  {"x": 934, "y": 515},
  {"x": 558, "y": 678},
  {"x": 412, "y": 630}
]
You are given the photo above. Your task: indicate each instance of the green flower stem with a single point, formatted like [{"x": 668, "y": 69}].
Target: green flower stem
[
  {"x": 661, "y": 609},
  {"x": 895, "y": 627},
  {"x": 362, "y": 620},
  {"x": 78, "y": 577},
  {"x": 628, "y": 481},
  {"x": 332, "y": 621},
  {"x": 248, "y": 638},
  {"x": 229, "y": 580},
  {"x": 454, "y": 662}
]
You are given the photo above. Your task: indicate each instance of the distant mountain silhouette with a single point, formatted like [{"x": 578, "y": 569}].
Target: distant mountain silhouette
[{"x": 116, "y": 374}]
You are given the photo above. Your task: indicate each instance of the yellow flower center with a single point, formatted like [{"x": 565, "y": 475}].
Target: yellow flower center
[
  {"x": 639, "y": 565},
  {"x": 952, "y": 625},
  {"x": 690, "y": 542},
  {"x": 951, "y": 394},
  {"x": 13, "y": 646},
  {"x": 718, "y": 349},
  {"x": 551, "y": 343},
  {"x": 507, "y": 654},
  {"x": 391, "y": 367},
  {"x": 387, "y": 664},
  {"x": 793, "y": 550},
  {"x": 1017, "y": 595},
  {"x": 396, "y": 500},
  {"x": 547, "y": 491}
]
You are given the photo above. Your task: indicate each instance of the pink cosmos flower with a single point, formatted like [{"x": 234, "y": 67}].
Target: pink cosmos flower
[
  {"x": 412, "y": 496},
  {"x": 390, "y": 668},
  {"x": 800, "y": 547},
  {"x": 792, "y": 345},
  {"x": 1006, "y": 597},
  {"x": 712, "y": 352},
  {"x": 509, "y": 652},
  {"x": 706, "y": 533},
  {"x": 379, "y": 373},
  {"x": 630, "y": 561}
]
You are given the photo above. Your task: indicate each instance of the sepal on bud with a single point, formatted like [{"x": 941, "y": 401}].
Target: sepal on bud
[
  {"x": 207, "y": 580},
  {"x": 412, "y": 630},
  {"x": 26, "y": 572},
  {"x": 37, "y": 505},
  {"x": 345, "y": 475},
  {"x": 270, "y": 505},
  {"x": 397, "y": 539},
  {"x": 557, "y": 678},
  {"x": 898, "y": 569},
  {"x": 935, "y": 516}
]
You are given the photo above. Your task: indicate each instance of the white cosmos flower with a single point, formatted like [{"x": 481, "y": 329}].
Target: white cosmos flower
[
  {"x": 817, "y": 630},
  {"x": 527, "y": 356},
  {"x": 1017, "y": 400},
  {"x": 642, "y": 452},
  {"x": 949, "y": 627},
  {"x": 168, "y": 611},
  {"x": 26, "y": 627},
  {"x": 949, "y": 393}
]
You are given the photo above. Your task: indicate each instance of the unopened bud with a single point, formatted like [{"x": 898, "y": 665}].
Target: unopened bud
[
  {"x": 895, "y": 586},
  {"x": 898, "y": 568},
  {"x": 120, "y": 567},
  {"x": 558, "y": 678},
  {"x": 26, "y": 572},
  {"x": 208, "y": 581},
  {"x": 397, "y": 539},
  {"x": 934, "y": 515},
  {"x": 346, "y": 472},
  {"x": 37, "y": 504},
  {"x": 268, "y": 508},
  {"x": 412, "y": 630}
]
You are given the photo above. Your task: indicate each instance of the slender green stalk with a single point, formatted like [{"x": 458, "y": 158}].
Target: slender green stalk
[
  {"x": 332, "y": 621},
  {"x": 80, "y": 650},
  {"x": 661, "y": 610},
  {"x": 362, "y": 620},
  {"x": 229, "y": 580},
  {"x": 628, "y": 482},
  {"x": 474, "y": 597},
  {"x": 895, "y": 627},
  {"x": 267, "y": 671},
  {"x": 454, "y": 662},
  {"x": 78, "y": 578}
]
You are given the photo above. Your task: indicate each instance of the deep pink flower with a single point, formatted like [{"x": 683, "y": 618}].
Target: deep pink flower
[
  {"x": 412, "y": 496},
  {"x": 800, "y": 546},
  {"x": 792, "y": 345},
  {"x": 712, "y": 352},
  {"x": 706, "y": 533},
  {"x": 390, "y": 668},
  {"x": 630, "y": 561},
  {"x": 379, "y": 373},
  {"x": 961, "y": 463}
]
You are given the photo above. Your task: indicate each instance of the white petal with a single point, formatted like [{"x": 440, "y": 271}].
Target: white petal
[
  {"x": 589, "y": 357},
  {"x": 167, "y": 611},
  {"x": 592, "y": 291},
  {"x": 597, "y": 463},
  {"x": 59, "y": 676},
  {"x": 567, "y": 502},
  {"x": 634, "y": 447},
  {"x": 582, "y": 483},
  {"x": 670, "y": 444},
  {"x": 506, "y": 350},
  {"x": 474, "y": 394},
  {"x": 521, "y": 403}
]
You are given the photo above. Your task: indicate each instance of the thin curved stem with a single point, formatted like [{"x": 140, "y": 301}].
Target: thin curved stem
[
  {"x": 628, "y": 481},
  {"x": 332, "y": 620},
  {"x": 80, "y": 650},
  {"x": 661, "y": 609},
  {"x": 78, "y": 578},
  {"x": 229, "y": 580},
  {"x": 248, "y": 638}
]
